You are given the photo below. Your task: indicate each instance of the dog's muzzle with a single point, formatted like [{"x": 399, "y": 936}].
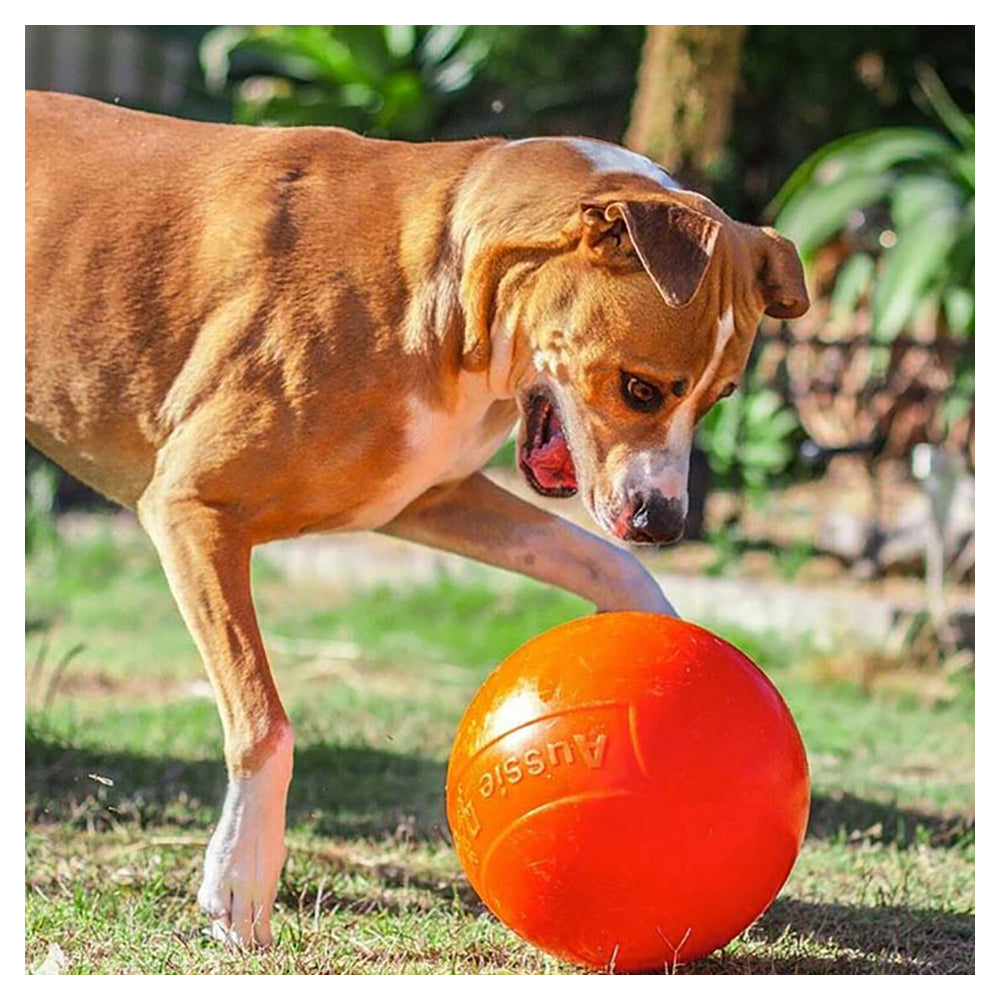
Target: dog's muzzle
[{"x": 650, "y": 518}]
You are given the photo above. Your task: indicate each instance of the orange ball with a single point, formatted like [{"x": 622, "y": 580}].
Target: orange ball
[{"x": 628, "y": 791}]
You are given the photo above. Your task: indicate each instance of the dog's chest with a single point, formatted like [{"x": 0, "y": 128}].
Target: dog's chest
[{"x": 442, "y": 445}]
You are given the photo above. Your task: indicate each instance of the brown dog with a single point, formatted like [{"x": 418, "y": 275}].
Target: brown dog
[{"x": 246, "y": 334}]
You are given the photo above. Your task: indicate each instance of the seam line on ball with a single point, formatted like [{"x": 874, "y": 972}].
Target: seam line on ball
[
  {"x": 633, "y": 732},
  {"x": 568, "y": 800}
]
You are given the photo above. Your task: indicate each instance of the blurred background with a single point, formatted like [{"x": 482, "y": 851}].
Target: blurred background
[
  {"x": 849, "y": 457},
  {"x": 831, "y": 536}
]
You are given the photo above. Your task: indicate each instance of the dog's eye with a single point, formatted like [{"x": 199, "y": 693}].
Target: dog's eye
[
  {"x": 730, "y": 388},
  {"x": 639, "y": 394}
]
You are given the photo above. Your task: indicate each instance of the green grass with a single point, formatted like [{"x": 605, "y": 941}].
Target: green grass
[{"x": 123, "y": 780}]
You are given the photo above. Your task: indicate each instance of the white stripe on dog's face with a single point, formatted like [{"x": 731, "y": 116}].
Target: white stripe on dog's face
[
  {"x": 666, "y": 469},
  {"x": 607, "y": 158}
]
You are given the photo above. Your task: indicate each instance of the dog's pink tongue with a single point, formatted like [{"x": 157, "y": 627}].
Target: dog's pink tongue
[{"x": 552, "y": 463}]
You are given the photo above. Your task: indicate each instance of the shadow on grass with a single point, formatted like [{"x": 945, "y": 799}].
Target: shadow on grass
[
  {"x": 428, "y": 891},
  {"x": 793, "y": 937},
  {"x": 337, "y": 791},
  {"x": 859, "y": 939},
  {"x": 351, "y": 791},
  {"x": 354, "y": 792},
  {"x": 842, "y": 816},
  {"x": 878, "y": 939}
]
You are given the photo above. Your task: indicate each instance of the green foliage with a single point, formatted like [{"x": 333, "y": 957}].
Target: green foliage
[
  {"x": 382, "y": 79},
  {"x": 749, "y": 438},
  {"x": 905, "y": 199},
  {"x": 418, "y": 82},
  {"x": 804, "y": 86},
  {"x": 575, "y": 79},
  {"x": 728, "y": 548},
  {"x": 789, "y": 559}
]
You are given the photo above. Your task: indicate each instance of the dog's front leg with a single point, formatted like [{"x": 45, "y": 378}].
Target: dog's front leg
[
  {"x": 207, "y": 562},
  {"x": 478, "y": 519}
]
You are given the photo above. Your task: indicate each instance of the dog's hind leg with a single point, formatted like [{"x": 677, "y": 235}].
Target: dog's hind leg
[
  {"x": 206, "y": 558},
  {"x": 478, "y": 519}
]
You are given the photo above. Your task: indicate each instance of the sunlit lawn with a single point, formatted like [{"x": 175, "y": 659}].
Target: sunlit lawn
[{"x": 124, "y": 778}]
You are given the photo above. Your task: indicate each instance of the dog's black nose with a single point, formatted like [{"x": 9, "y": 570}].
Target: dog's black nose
[{"x": 656, "y": 519}]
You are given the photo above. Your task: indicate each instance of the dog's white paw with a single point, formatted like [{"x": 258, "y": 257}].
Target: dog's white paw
[{"x": 246, "y": 853}]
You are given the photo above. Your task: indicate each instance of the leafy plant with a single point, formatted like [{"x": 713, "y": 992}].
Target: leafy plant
[
  {"x": 728, "y": 548},
  {"x": 749, "y": 438},
  {"x": 381, "y": 79},
  {"x": 904, "y": 198},
  {"x": 790, "y": 558},
  {"x": 422, "y": 82}
]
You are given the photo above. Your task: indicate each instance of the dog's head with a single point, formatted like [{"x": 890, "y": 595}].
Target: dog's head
[{"x": 635, "y": 333}]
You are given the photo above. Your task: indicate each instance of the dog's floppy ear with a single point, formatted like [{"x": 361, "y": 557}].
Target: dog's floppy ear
[
  {"x": 673, "y": 243},
  {"x": 779, "y": 273}
]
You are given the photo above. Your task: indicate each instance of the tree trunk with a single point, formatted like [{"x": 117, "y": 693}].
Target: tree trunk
[{"x": 681, "y": 112}]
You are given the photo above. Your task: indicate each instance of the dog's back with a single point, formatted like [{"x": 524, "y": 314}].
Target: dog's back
[{"x": 158, "y": 250}]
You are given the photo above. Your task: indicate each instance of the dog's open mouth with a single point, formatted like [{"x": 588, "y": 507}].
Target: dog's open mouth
[{"x": 544, "y": 454}]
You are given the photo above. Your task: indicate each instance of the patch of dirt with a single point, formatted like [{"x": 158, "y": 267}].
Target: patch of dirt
[{"x": 139, "y": 687}]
